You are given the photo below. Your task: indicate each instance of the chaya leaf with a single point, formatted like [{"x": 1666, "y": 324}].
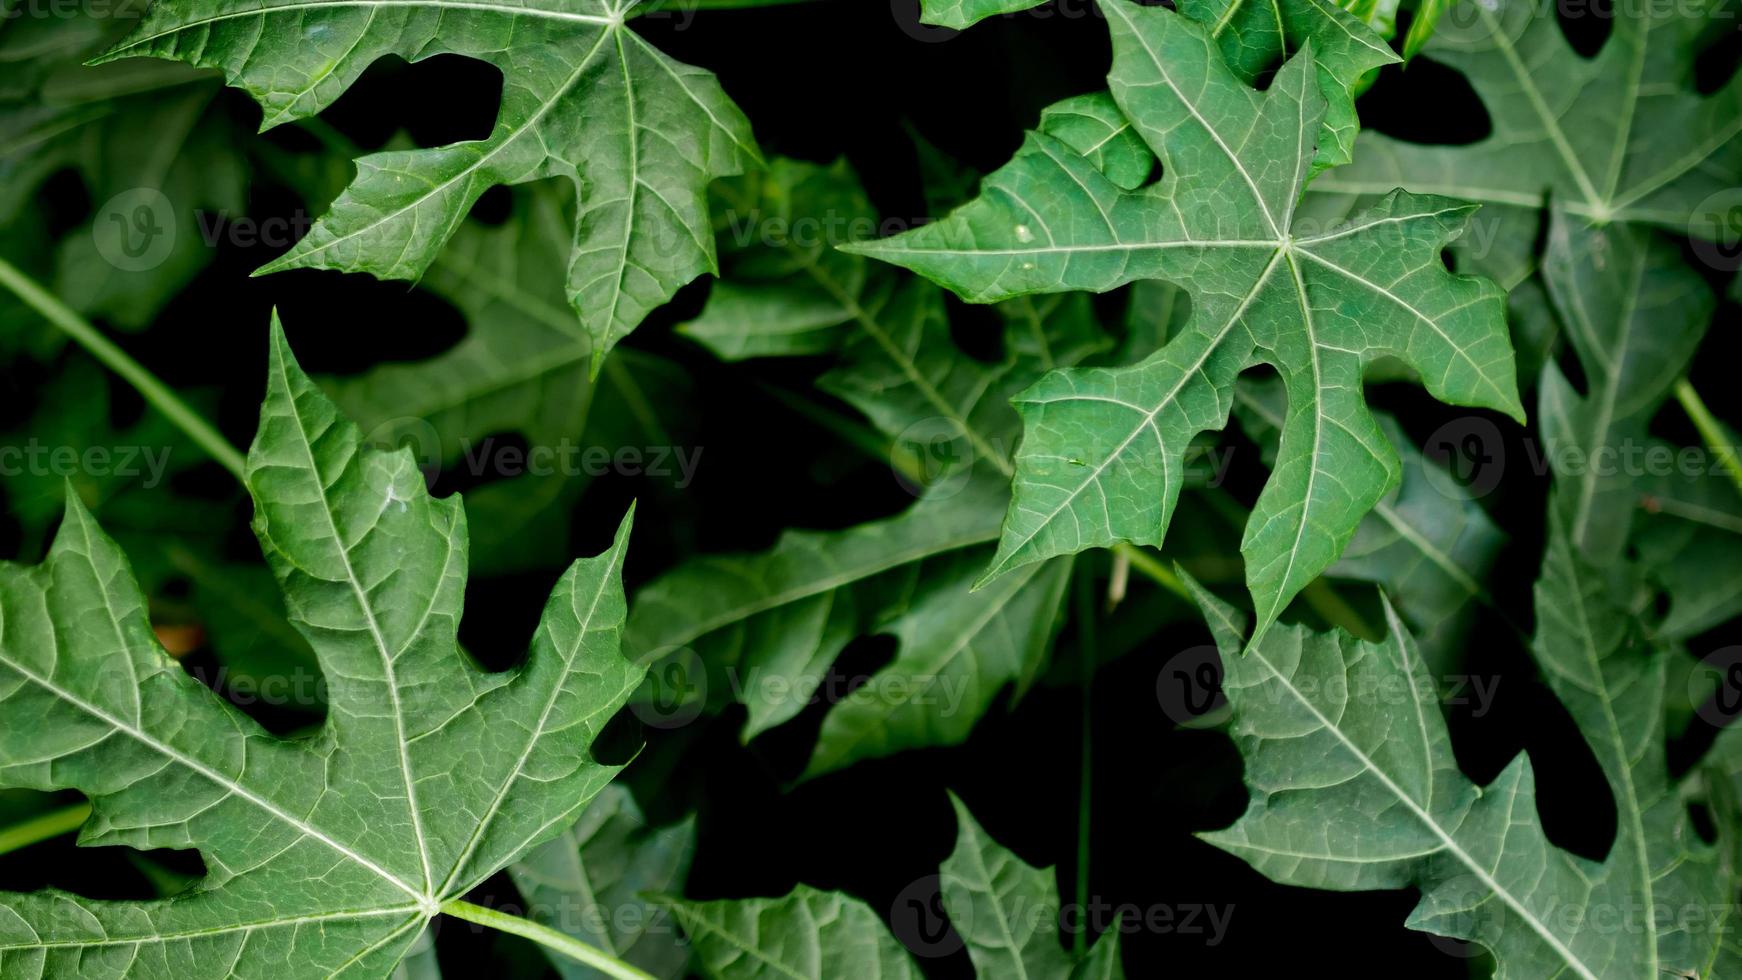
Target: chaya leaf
[
  {"x": 1005, "y": 912},
  {"x": 1621, "y": 137},
  {"x": 153, "y": 154},
  {"x": 1354, "y": 786},
  {"x": 767, "y": 627},
  {"x": 591, "y": 882},
  {"x": 521, "y": 368},
  {"x": 583, "y": 97},
  {"x": 1634, "y": 313},
  {"x": 325, "y": 856},
  {"x": 1690, "y": 543},
  {"x": 1428, "y": 543},
  {"x": 1100, "y": 460},
  {"x": 1253, "y": 35}
]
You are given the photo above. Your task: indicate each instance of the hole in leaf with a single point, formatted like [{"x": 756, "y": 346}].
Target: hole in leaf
[
  {"x": 976, "y": 329},
  {"x": 493, "y": 206},
  {"x": 1393, "y": 105},
  {"x": 67, "y": 201},
  {"x": 1717, "y": 64},
  {"x": 440, "y": 100},
  {"x": 1586, "y": 24}
]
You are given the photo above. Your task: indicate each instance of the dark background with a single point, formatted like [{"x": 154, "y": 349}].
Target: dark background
[{"x": 818, "y": 81}]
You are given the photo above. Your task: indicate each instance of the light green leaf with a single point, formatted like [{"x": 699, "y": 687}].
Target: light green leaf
[
  {"x": 807, "y": 935},
  {"x": 1354, "y": 787},
  {"x": 1253, "y": 35},
  {"x": 1006, "y": 912},
  {"x": 767, "y": 627},
  {"x": 592, "y": 879},
  {"x": 521, "y": 368},
  {"x": 583, "y": 97},
  {"x": 155, "y": 159},
  {"x": 1428, "y": 542},
  {"x": 1634, "y": 312},
  {"x": 1100, "y": 460},
  {"x": 325, "y": 856},
  {"x": 1621, "y": 137}
]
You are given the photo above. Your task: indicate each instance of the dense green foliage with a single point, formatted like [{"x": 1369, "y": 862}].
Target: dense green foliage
[{"x": 1243, "y": 505}]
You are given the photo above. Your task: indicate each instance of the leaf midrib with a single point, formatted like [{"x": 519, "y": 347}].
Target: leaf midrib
[
  {"x": 387, "y": 665},
  {"x": 1427, "y": 820}
]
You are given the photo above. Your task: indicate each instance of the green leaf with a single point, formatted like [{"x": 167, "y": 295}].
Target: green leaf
[
  {"x": 521, "y": 368},
  {"x": 1100, "y": 460},
  {"x": 767, "y": 627},
  {"x": 1689, "y": 538},
  {"x": 1253, "y": 35},
  {"x": 1634, "y": 312},
  {"x": 807, "y": 935},
  {"x": 1428, "y": 542},
  {"x": 1354, "y": 787},
  {"x": 326, "y": 855},
  {"x": 1006, "y": 912},
  {"x": 1621, "y": 137},
  {"x": 155, "y": 159},
  {"x": 584, "y": 97},
  {"x": 590, "y": 882},
  {"x": 994, "y": 900}
]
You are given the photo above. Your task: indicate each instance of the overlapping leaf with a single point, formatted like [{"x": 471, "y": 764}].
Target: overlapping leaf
[
  {"x": 767, "y": 627},
  {"x": 992, "y": 898},
  {"x": 1634, "y": 312},
  {"x": 1428, "y": 543},
  {"x": 1099, "y": 461},
  {"x": 152, "y": 152},
  {"x": 1253, "y": 35},
  {"x": 1354, "y": 786},
  {"x": 325, "y": 856},
  {"x": 522, "y": 369},
  {"x": 1621, "y": 137},
  {"x": 592, "y": 882},
  {"x": 583, "y": 97}
]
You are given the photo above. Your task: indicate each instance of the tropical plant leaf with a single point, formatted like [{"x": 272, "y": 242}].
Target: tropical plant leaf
[
  {"x": 584, "y": 97},
  {"x": 1100, "y": 457},
  {"x": 1428, "y": 542},
  {"x": 1634, "y": 312},
  {"x": 522, "y": 369},
  {"x": 325, "y": 856},
  {"x": 152, "y": 152},
  {"x": 1624, "y": 136},
  {"x": 997, "y": 904},
  {"x": 767, "y": 627},
  {"x": 592, "y": 879},
  {"x": 1354, "y": 787},
  {"x": 1253, "y": 37}
]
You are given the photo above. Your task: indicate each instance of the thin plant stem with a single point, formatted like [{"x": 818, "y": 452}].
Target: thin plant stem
[
  {"x": 43, "y": 826},
  {"x": 1086, "y": 681},
  {"x": 155, "y": 392},
  {"x": 1711, "y": 430},
  {"x": 545, "y": 936}
]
